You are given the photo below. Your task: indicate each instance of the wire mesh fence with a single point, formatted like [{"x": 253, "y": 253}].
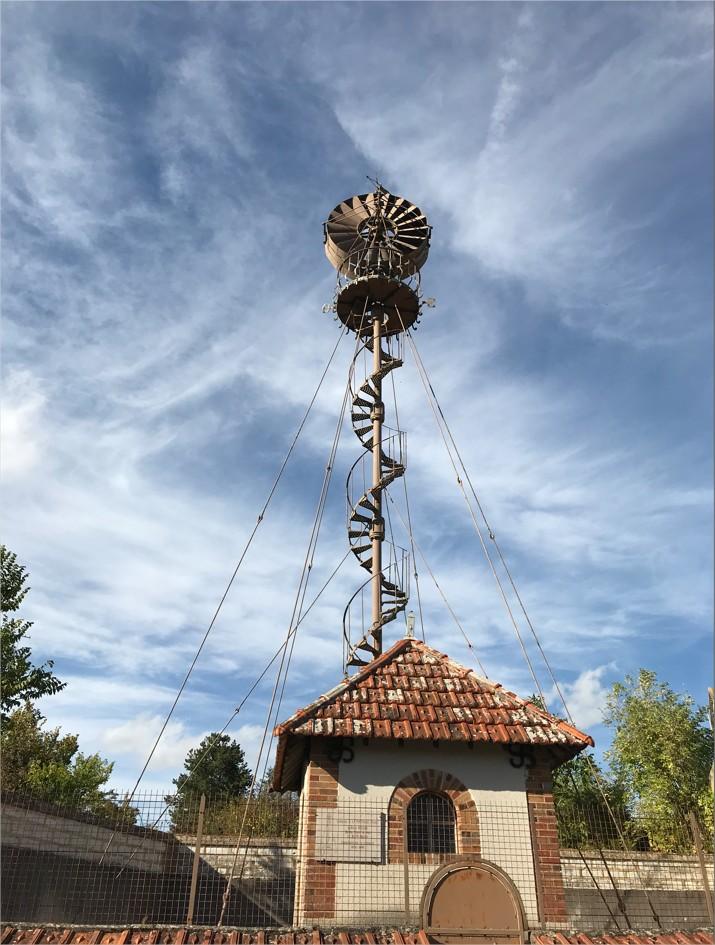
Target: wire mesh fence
[
  {"x": 274, "y": 862},
  {"x": 150, "y": 861},
  {"x": 622, "y": 870},
  {"x": 615, "y": 827}
]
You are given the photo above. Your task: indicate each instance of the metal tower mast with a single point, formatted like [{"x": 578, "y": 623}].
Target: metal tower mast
[{"x": 377, "y": 242}]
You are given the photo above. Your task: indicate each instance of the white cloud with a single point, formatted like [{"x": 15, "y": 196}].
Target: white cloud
[
  {"x": 134, "y": 739},
  {"x": 585, "y": 697},
  {"x": 61, "y": 171},
  {"x": 524, "y": 165},
  {"x": 163, "y": 335},
  {"x": 23, "y": 403}
]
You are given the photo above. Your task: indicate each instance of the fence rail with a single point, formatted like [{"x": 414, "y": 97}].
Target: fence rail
[{"x": 162, "y": 860}]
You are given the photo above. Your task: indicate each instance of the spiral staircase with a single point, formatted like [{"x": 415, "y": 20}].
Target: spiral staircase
[
  {"x": 365, "y": 519},
  {"x": 377, "y": 242}
]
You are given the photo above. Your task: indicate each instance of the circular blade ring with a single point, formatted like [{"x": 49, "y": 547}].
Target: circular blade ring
[{"x": 377, "y": 233}]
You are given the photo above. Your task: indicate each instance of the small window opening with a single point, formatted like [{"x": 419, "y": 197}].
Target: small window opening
[{"x": 430, "y": 824}]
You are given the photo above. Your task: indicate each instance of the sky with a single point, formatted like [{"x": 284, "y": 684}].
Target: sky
[{"x": 166, "y": 172}]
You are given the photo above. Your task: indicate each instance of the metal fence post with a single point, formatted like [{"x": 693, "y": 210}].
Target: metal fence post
[
  {"x": 406, "y": 859},
  {"x": 197, "y": 857},
  {"x": 695, "y": 828},
  {"x": 711, "y": 709}
]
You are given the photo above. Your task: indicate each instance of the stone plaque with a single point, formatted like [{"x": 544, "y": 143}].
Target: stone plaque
[{"x": 346, "y": 836}]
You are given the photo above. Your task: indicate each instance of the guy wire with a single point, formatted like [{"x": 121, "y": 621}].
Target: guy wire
[
  {"x": 128, "y": 799},
  {"x": 305, "y": 576},
  {"x": 237, "y": 710},
  {"x": 596, "y": 774},
  {"x": 409, "y": 518},
  {"x": 425, "y": 384},
  {"x": 442, "y": 594}
]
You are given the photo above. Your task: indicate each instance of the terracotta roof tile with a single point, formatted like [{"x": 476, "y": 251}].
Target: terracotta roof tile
[
  {"x": 382, "y": 936},
  {"x": 415, "y": 692},
  {"x": 411, "y": 682},
  {"x": 627, "y": 938},
  {"x": 421, "y": 730}
]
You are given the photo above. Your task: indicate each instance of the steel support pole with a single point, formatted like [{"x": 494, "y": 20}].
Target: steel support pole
[
  {"x": 378, "y": 529},
  {"x": 698, "y": 841},
  {"x": 711, "y": 709}
]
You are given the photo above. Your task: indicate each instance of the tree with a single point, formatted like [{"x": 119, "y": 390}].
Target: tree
[
  {"x": 40, "y": 762},
  {"x": 217, "y": 768},
  {"x": 587, "y": 801},
  {"x": 223, "y": 770},
  {"x": 50, "y": 767},
  {"x": 661, "y": 752},
  {"x": 21, "y": 680},
  {"x": 231, "y": 808},
  {"x": 263, "y": 787}
]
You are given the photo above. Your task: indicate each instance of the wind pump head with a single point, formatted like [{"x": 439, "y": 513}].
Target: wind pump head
[{"x": 378, "y": 242}]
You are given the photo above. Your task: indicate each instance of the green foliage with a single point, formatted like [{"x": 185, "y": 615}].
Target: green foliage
[
  {"x": 222, "y": 768},
  {"x": 267, "y": 816},
  {"x": 659, "y": 771},
  {"x": 661, "y": 752},
  {"x": 216, "y": 768},
  {"x": 583, "y": 796},
  {"x": 50, "y": 767},
  {"x": 21, "y": 680}
]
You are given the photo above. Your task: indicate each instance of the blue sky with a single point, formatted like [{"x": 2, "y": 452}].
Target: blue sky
[{"x": 167, "y": 168}]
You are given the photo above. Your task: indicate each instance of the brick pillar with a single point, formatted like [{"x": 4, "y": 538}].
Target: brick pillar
[
  {"x": 315, "y": 892},
  {"x": 545, "y": 845}
]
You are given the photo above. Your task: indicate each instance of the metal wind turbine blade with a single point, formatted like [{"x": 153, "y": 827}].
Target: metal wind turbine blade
[{"x": 377, "y": 233}]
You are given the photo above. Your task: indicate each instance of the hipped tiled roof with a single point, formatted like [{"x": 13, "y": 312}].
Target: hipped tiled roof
[{"x": 415, "y": 692}]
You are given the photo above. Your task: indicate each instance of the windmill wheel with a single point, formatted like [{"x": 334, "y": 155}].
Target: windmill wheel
[{"x": 377, "y": 232}]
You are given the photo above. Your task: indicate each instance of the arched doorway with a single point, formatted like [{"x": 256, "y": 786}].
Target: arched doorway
[{"x": 472, "y": 901}]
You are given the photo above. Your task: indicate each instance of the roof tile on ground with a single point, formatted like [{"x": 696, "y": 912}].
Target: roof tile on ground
[
  {"x": 173, "y": 935},
  {"x": 627, "y": 938}
]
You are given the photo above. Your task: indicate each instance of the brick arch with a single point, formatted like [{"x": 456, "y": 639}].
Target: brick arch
[{"x": 440, "y": 782}]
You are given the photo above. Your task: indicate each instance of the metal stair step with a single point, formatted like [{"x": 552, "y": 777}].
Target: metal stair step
[{"x": 357, "y": 517}]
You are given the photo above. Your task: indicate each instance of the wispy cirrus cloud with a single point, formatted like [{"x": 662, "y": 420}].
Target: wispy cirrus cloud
[
  {"x": 165, "y": 178},
  {"x": 536, "y": 176}
]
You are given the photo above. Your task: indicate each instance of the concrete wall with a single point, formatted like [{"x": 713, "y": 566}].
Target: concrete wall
[
  {"x": 670, "y": 884},
  {"x": 259, "y": 859},
  {"x": 59, "y": 868},
  {"x": 634, "y": 870},
  {"x": 41, "y": 830}
]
